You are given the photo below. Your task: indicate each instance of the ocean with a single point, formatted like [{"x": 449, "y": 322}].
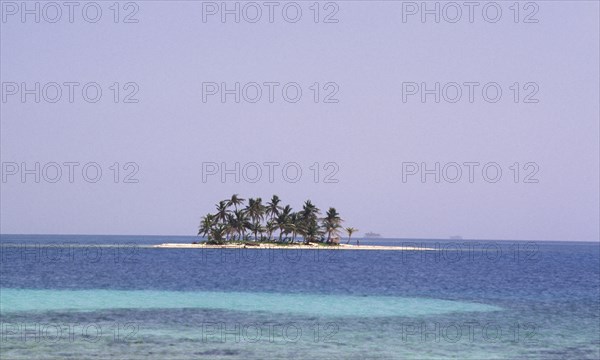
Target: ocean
[{"x": 116, "y": 297}]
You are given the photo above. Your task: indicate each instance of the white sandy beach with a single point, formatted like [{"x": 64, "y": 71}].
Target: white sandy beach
[{"x": 311, "y": 246}]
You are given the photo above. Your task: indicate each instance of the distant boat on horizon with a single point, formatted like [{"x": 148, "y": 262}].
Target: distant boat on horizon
[
  {"x": 456, "y": 237},
  {"x": 372, "y": 235}
]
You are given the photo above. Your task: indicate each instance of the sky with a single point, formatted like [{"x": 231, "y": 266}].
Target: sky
[{"x": 336, "y": 103}]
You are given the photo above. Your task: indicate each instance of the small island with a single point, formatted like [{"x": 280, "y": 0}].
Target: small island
[
  {"x": 237, "y": 224},
  {"x": 236, "y": 221}
]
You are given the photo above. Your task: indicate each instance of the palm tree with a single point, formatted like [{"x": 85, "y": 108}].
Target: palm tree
[
  {"x": 240, "y": 223},
  {"x": 260, "y": 210},
  {"x": 206, "y": 224},
  {"x": 294, "y": 224},
  {"x": 287, "y": 210},
  {"x": 270, "y": 227},
  {"x": 273, "y": 207},
  {"x": 282, "y": 221},
  {"x": 309, "y": 210},
  {"x": 255, "y": 211},
  {"x": 331, "y": 223},
  {"x": 231, "y": 227},
  {"x": 312, "y": 232},
  {"x": 235, "y": 201},
  {"x": 290, "y": 227},
  {"x": 350, "y": 231},
  {"x": 222, "y": 212},
  {"x": 256, "y": 228},
  {"x": 301, "y": 230},
  {"x": 308, "y": 221},
  {"x": 217, "y": 233}
]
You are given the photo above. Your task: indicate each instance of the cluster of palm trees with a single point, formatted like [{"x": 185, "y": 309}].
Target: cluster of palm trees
[{"x": 270, "y": 222}]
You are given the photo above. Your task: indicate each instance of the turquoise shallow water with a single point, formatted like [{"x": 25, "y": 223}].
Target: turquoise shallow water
[
  {"x": 71, "y": 297},
  {"x": 14, "y": 300}
]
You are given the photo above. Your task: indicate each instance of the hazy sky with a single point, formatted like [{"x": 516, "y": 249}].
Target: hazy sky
[{"x": 368, "y": 61}]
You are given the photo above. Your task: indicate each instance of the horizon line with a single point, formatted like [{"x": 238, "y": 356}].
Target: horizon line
[{"x": 376, "y": 238}]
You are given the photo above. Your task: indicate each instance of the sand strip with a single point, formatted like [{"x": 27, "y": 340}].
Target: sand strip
[{"x": 291, "y": 247}]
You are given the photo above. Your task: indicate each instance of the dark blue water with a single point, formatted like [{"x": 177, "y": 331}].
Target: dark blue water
[{"x": 542, "y": 298}]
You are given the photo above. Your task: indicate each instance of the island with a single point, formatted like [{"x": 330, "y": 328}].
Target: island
[{"x": 237, "y": 224}]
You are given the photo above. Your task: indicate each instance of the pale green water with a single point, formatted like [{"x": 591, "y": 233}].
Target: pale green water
[{"x": 14, "y": 300}]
